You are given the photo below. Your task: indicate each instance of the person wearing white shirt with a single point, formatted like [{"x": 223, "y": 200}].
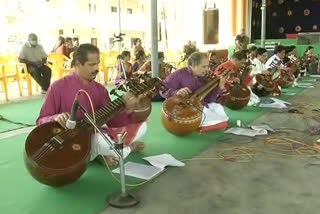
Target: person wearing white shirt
[
  {"x": 279, "y": 54},
  {"x": 252, "y": 53},
  {"x": 292, "y": 53},
  {"x": 259, "y": 65}
]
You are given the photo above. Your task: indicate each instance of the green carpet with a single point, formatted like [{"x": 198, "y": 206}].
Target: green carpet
[
  {"x": 20, "y": 193},
  {"x": 23, "y": 112}
]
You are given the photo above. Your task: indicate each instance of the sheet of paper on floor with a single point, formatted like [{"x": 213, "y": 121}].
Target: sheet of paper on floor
[
  {"x": 163, "y": 160},
  {"x": 246, "y": 131},
  {"x": 304, "y": 83},
  {"x": 261, "y": 127},
  {"x": 315, "y": 75},
  {"x": 305, "y": 86},
  {"x": 138, "y": 170},
  {"x": 288, "y": 93},
  {"x": 272, "y": 102},
  {"x": 310, "y": 80}
]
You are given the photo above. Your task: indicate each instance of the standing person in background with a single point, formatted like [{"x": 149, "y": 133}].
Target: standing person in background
[
  {"x": 188, "y": 49},
  {"x": 137, "y": 46},
  {"x": 241, "y": 41}
]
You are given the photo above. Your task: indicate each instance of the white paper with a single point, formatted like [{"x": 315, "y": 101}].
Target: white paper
[
  {"x": 288, "y": 93},
  {"x": 254, "y": 99},
  {"x": 315, "y": 75},
  {"x": 161, "y": 161},
  {"x": 305, "y": 86},
  {"x": 310, "y": 80},
  {"x": 276, "y": 103},
  {"x": 246, "y": 131},
  {"x": 304, "y": 83},
  {"x": 141, "y": 171},
  {"x": 261, "y": 127},
  {"x": 280, "y": 101},
  {"x": 214, "y": 114}
]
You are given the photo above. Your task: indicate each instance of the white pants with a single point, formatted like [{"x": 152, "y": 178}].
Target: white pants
[{"x": 100, "y": 147}]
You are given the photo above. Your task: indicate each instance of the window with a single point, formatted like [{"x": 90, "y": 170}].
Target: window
[
  {"x": 94, "y": 42},
  {"x": 113, "y": 9},
  {"x": 129, "y": 10},
  {"x": 92, "y": 9},
  {"x": 111, "y": 42}
]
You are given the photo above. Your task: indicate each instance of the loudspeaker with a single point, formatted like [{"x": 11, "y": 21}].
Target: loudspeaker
[{"x": 211, "y": 26}]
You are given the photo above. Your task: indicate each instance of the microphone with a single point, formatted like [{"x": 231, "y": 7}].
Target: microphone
[{"x": 71, "y": 122}]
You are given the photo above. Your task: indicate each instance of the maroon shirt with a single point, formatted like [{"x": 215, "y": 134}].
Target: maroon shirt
[{"x": 61, "y": 94}]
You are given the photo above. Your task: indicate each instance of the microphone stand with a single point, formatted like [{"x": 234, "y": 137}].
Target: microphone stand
[{"x": 124, "y": 199}]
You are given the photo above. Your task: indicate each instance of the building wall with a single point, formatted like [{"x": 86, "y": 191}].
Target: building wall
[{"x": 183, "y": 22}]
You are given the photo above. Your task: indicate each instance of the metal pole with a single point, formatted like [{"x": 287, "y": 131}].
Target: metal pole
[
  {"x": 121, "y": 67},
  {"x": 249, "y": 20},
  {"x": 121, "y": 163},
  {"x": 124, "y": 199},
  {"x": 165, "y": 24},
  {"x": 154, "y": 39},
  {"x": 263, "y": 22},
  {"x": 119, "y": 21}
]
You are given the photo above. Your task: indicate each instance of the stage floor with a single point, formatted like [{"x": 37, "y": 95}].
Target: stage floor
[{"x": 267, "y": 183}]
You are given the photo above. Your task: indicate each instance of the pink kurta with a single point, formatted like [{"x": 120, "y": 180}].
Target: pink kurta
[{"x": 61, "y": 94}]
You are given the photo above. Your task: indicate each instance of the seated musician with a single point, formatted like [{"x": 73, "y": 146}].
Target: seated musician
[
  {"x": 291, "y": 61},
  {"x": 140, "y": 59},
  {"x": 259, "y": 65},
  {"x": 187, "y": 80},
  {"x": 279, "y": 54},
  {"x": 292, "y": 52},
  {"x": 213, "y": 60},
  {"x": 124, "y": 67},
  {"x": 237, "y": 61},
  {"x": 311, "y": 60},
  {"x": 164, "y": 68},
  {"x": 61, "y": 94},
  {"x": 252, "y": 53},
  {"x": 309, "y": 52}
]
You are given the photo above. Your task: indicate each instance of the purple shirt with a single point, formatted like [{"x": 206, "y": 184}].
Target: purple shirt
[
  {"x": 61, "y": 94},
  {"x": 184, "y": 78}
]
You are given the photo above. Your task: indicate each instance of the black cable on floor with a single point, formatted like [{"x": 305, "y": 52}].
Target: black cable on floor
[{"x": 14, "y": 122}]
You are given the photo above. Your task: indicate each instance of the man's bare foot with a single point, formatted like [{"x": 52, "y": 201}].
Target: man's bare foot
[
  {"x": 137, "y": 146},
  {"x": 108, "y": 160}
]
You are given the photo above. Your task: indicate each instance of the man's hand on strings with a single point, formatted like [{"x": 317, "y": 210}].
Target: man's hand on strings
[{"x": 62, "y": 119}]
